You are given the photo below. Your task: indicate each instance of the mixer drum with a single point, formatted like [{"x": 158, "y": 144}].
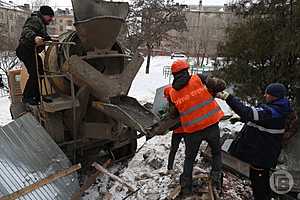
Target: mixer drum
[{"x": 56, "y": 56}]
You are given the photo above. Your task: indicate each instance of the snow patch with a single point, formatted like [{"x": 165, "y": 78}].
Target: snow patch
[{"x": 5, "y": 116}]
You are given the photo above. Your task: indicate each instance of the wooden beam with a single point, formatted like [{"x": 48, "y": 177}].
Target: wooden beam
[
  {"x": 41, "y": 183},
  {"x": 114, "y": 177},
  {"x": 89, "y": 182},
  {"x": 107, "y": 196},
  {"x": 60, "y": 103},
  {"x": 174, "y": 193},
  {"x": 210, "y": 190}
]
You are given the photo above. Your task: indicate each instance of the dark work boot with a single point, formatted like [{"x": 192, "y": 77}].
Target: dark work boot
[
  {"x": 186, "y": 186},
  {"x": 217, "y": 183}
]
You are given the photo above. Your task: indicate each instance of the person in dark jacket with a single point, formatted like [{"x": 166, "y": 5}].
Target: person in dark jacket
[
  {"x": 191, "y": 99},
  {"x": 260, "y": 140},
  {"x": 33, "y": 36}
]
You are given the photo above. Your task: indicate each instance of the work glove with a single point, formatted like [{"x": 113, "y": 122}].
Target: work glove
[
  {"x": 39, "y": 41},
  {"x": 222, "y": 95},
  {"x": 215, "y": 84}
]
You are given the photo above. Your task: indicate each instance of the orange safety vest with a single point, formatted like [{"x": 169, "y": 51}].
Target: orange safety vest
[{"x": 197, "y": 107}]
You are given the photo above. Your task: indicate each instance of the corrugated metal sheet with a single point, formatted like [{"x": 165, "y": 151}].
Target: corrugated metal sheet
[{"x": 27, "y": 155}]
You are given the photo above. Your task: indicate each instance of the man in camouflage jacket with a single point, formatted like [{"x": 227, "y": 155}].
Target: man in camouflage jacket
[{"x": 33, "y": 36}]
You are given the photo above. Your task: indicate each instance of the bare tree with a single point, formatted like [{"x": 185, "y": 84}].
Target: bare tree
[
  {"x": 196, "y": 40},
  {"x": 149, "y": 23},
  {"x": 36, "y": 4},
  {"x": 8, "y": 60},
  {"x": 201, "y": 45}
]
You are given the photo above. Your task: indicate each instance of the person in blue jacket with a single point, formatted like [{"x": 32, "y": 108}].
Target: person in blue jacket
[{"x": 260, "y": 140}]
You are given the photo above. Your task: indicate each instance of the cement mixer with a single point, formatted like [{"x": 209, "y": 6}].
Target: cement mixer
[{"x": 88, "y": 73}]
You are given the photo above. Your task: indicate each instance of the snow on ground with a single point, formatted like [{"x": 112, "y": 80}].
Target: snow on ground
[
  {"x": 144, "y": 85},
  {"x": 146, "y": 171},
  {"x": 5, "y": 116}
]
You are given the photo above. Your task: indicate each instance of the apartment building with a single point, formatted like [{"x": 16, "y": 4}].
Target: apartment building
[
  {"x": 205, "y": 29},
  {"x": 12, "y": 19},
  {"x": 63, "y": 22}
]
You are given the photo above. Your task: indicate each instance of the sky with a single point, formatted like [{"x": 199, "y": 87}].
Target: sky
[{"x": 67, "y": 3}]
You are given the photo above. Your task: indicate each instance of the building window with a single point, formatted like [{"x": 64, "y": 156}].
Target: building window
[
  {"x": 21, "y": 19},
  {"x": 61, "y": 28},
  {"x": 52, "y": 31},
  {"x": 69, "y": 22},
  {"x": 60, "y": 21}
]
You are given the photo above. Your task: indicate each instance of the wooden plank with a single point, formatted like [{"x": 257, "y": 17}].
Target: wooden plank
[
  {"x": 41, "y": 183},
  {"x": 210, "y": 190},
  {"x": 114, "y": 177},
  {"x": 174, "y": 193},
  {"x": 89, "y": 182},
  {"x": 60, "y": 103},
  {"x": 235, "y": 164},
  {"x": 230, "y": 162},
  {"x": 201, "y": 176},
  {"x": 107, "y": 196}
]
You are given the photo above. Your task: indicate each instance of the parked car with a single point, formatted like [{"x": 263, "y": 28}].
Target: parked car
[{"x": 178, "y": 55}]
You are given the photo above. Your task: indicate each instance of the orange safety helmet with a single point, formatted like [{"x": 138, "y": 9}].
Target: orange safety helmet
[{"x": 179, "y": 65}]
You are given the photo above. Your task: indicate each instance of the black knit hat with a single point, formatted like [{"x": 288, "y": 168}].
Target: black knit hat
[
  {"x": 46, "y": 10},
  {"x": 276, "y": 90}
]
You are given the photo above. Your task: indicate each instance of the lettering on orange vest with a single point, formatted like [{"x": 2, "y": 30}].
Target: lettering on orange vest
[{"x": 197, "y": 108}]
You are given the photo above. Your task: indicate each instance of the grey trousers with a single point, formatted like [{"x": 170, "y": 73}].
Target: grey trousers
[{"x": 192, "y": 143}]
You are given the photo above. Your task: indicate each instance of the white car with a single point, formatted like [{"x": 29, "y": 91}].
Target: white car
[{"x": 178, "y": 55}]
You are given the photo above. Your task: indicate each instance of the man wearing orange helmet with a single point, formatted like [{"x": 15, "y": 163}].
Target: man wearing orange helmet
[{"x": 192, "y": 99}]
